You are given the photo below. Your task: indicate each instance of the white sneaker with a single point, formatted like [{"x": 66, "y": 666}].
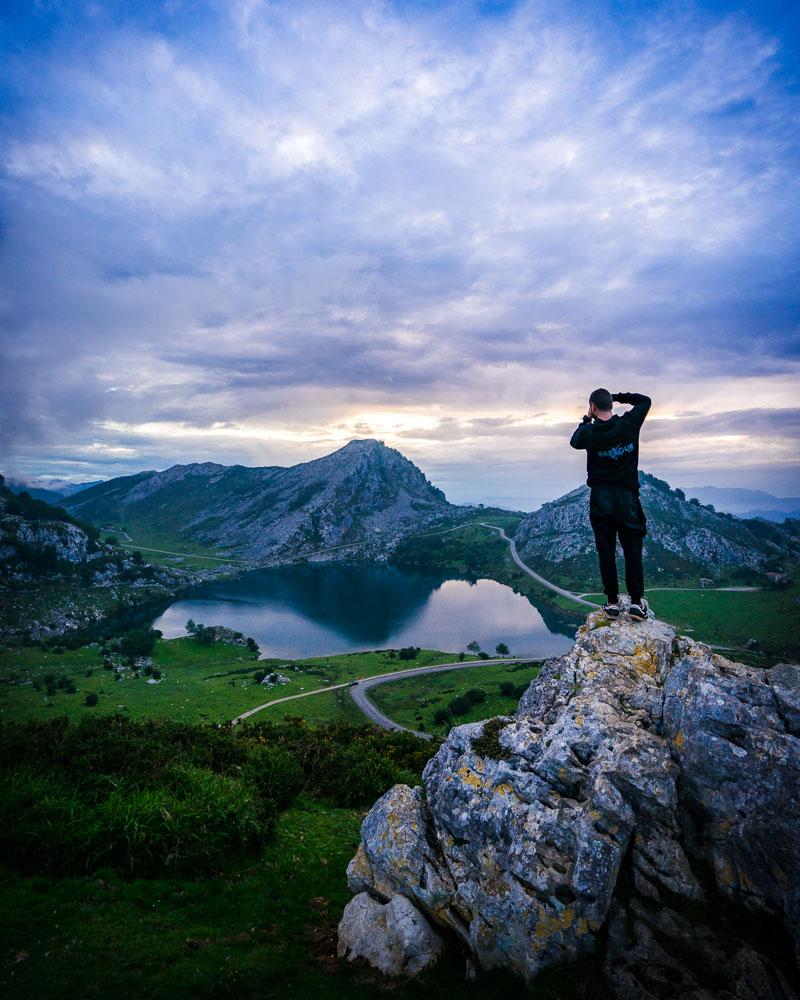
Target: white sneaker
[{"x": 640, "y": 611}]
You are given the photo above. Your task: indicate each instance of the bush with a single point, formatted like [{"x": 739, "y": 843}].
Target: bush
[
  {"x": 356, "y": 777},
  {"x": 442, "y": 717},
  {"x": 460, "y": 706},
  {"x": 160, "y": 796},
  {"x": 507, "y": 688},
  {"x": 188, "y": 826},
  {"x": 409, "y": 653},
  {"x": 475, "y": 696},
  {"x": 90, "y": 699},
  {"x": 275, "y": 772},
  {"x": 139, "y": 642}
]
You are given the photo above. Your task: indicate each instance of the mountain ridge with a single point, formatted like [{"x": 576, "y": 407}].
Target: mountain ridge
[
  {"x": 364, "y": 493},
  {"x": 685, "y": 539}
]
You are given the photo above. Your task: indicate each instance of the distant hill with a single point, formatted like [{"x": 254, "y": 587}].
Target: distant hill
[
  {"x": 50, "y": 490},
  {"x": 745, "y": 503},
  {"x": 685, "y": 540},
  {"x": 364, "y": 492}
]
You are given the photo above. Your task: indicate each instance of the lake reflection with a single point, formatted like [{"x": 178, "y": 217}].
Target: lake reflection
[{"x": 299, "y": 611}]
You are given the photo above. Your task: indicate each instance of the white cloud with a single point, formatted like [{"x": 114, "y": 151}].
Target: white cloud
[{"x": 322, "y": 212}]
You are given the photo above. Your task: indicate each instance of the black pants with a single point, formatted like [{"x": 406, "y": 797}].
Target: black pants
[{"x": 618, "y": 512}]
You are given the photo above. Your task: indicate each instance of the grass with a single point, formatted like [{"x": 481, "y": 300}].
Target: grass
[
  {"x": 413, "y": 702},
  {"x": 729, "y": 618},
  {"x": 199, "y": 683},
  {"x": 261, "y": 930},
  {"x": 726, "y": 618}
]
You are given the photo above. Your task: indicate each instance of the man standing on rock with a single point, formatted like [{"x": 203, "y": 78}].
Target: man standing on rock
[{"x": 612, "y": 465}]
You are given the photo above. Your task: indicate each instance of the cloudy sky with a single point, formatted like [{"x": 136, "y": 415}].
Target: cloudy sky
[{"x": 249, "y": 231}]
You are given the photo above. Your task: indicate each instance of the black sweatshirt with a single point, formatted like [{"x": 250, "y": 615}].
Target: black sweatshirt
[{"x": 612, "y": 446}]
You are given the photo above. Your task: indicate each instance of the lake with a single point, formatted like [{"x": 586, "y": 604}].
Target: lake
[{"x": 303, "y": 611}]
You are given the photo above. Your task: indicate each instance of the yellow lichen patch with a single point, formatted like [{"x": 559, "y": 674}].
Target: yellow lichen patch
[
  {"x": 504, "y": 789},
  {"x": 495, "y": 885},
  {"x": 644, "y": 661},
  {"x": 360, "y": 864},
  {"x": 469, "y": 777},
  {"x": 550, "y": 923},
  {"x": 579, "y": 721},
  {"x": 583, "y": 926},
  {"x": 679, "y": 739}
]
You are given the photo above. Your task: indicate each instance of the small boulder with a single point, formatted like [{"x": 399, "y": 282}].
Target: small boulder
[{"x": 393, "y": 937}]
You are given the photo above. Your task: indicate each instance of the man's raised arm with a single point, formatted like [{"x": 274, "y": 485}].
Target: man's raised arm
[
  {"x": 641, "y": 404},
  {"x": 581, "y": 434}
]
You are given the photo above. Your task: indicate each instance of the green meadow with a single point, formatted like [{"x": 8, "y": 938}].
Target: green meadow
[
  {"x": 728, "y": 619},
  {"x": 415, "y": 701},
  {"x": 198, "y": 683}
]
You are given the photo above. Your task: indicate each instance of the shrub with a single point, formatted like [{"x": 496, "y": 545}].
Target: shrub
[
  {"x": 275, "y": 772},
  {"x": 507, "y": 688},
  {"x": 475, "y": 696},
  {"x": 90, "y": 699},
  {"x": 356, "y": 777},
  {"x": 188, "y": 826},
  {"x": 409, "y": 653},
  {"x": 459, "y": 706},
  {"x": 139, "y": 642},
  {"x": 442, "y": 717}
]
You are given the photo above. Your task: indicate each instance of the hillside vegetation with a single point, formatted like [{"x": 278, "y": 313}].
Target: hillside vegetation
[
  {"x": 684, "y": 541},
  {"x": 58, "y": 578}
]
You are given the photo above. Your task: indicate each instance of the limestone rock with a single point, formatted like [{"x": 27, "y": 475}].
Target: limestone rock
[
  {"x": 393, "y": 937},
  {"x": 645, "y": 798}
]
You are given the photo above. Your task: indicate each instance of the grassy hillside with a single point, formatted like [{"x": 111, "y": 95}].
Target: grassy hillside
[{"x": 197, "y": 684}]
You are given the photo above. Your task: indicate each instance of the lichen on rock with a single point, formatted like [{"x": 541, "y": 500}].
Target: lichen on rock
[{"x": 644, "y": 785}]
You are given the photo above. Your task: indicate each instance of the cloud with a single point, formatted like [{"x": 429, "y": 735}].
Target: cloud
[{"x": 296, "y": 218}]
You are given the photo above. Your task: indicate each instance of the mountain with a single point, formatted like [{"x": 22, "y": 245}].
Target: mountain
[
  {"x": 745, "y": 503},
  {"x": 641, "y": 806},
  {"x": 364, "y": 492},
  {"x": 50, "y": 490},
  {"x": 684, "y": 540},
  {"x": 57, "y": 577}
]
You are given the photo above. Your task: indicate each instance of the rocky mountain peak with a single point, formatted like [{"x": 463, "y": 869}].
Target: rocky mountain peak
[{"x": 644, "y": 800}]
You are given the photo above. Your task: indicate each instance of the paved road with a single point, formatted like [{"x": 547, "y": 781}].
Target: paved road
[
  {"x": 366, "y": 706},
  {"x": 188, "y": 555},
  {"x": 359, "y": 692},
  {"x": 526, "y": 569}
]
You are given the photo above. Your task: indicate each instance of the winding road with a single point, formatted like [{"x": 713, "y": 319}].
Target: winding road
[
  {"x": 358, "y": 690},
  {"x": 526, "y": 569}
]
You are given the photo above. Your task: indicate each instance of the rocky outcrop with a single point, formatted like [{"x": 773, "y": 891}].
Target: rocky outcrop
[{"x": 644, "y": 800}]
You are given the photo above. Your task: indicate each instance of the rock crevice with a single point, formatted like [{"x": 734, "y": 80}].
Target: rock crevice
[{"x": 644, "y": 784}]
